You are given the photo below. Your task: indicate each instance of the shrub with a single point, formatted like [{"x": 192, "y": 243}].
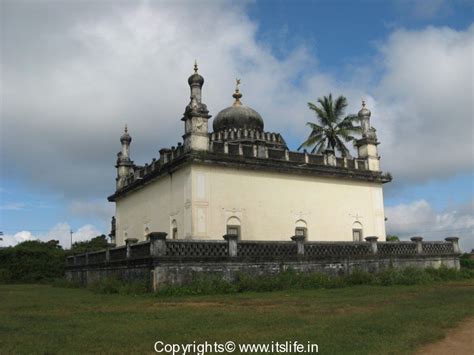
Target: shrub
[
  {"x": 388, "y": 277},
  {"x": 210, "y": 284},
  {"x": 466, "y": 261},
  {"x": 31, "y": 261},
  {"x": 359, "y": 277},
  {"x": 407, "y": 276},
  {"x": 444, "y": 274},
  {"x": 290, "y": 279},
  {"x": 413, "y": 276},
  {"x": 96, "y": 243}
]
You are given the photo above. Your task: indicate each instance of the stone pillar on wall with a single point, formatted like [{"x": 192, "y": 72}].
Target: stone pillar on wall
[
  {"x": 419, "y": 246},
  {"x": 128, "y": 243},
  {"x": 157, "y": 243},
  {"x": 455, "y": 242},
  {"x": 330, "y": 157},
  {"x": 373, "y": 243},
  {"x": 232, "y": 243},
  {"x": 299, "y": 239}
]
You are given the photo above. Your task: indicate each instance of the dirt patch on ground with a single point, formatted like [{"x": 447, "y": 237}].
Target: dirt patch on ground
[{"x": 459, "y": 341}]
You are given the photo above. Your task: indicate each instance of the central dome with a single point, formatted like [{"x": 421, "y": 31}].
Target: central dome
[{"x": 237, "y": 116}]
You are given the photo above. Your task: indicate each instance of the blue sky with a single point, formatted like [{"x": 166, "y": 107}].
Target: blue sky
[
  {"x": 344, "y": 33},
  {"x": 56, "y": 174}
]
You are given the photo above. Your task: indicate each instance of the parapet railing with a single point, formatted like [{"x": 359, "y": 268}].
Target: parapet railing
[
  {"x": 157, "y": 246},
  {"x": 256, "y": 150},
  {"x": 328, "y": 158}
]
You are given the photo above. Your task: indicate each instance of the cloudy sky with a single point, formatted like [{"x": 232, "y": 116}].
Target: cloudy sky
[{"x": 74, "y": 72}]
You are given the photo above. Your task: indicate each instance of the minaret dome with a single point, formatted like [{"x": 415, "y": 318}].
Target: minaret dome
[
  {"x": 125, "y": 138},
  {"x": 364, "y": 112}
]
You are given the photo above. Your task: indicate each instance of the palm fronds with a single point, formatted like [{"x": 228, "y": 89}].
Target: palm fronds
[{"x": 332, "y": 130}]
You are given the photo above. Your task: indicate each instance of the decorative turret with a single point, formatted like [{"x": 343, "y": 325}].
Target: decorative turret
[
  {"x": 196, "y": 115},
  {"x": 364, "y": 117},
  {"x": 196, "y": 82},
  {"x": 124, "y": 163},
  {"x": 367, "y": 145}
]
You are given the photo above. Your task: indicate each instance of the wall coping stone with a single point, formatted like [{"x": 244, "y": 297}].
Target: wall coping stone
[
  {"x": 157, "y": 235},
  {"x": 131, "y": 241}
]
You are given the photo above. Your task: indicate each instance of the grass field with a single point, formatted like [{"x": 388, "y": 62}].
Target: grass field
[{"x": 357, "y": 320}]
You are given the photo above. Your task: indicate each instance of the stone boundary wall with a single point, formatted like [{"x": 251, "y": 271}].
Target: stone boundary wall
[{"x": 178, "y": 262}]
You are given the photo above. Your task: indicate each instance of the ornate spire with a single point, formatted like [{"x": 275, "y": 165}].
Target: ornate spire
[
  {"x": 364, "y": 111},
  {"x": 237, "y": 95},
  {"x": 195, "y": 107},
  {"x": 196, "y": 80},
  {"x": 125, "y": 138}
]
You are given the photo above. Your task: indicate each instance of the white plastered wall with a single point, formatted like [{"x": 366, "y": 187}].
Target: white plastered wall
[
  {"x": 202, "y": 198},
  {"x": 155, "y": 206},
  {"x": 270, "y": 204}
]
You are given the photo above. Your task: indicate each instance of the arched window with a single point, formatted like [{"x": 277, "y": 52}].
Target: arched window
[
  {"x": 233, "y": 226},
  {"x": 301, "y": 228},
  {"x": 174, "y": 229},
  {"x": 357, "y": 232}
]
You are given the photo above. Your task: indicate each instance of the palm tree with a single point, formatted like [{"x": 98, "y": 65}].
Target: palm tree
[{"x": 333, "y": 130}]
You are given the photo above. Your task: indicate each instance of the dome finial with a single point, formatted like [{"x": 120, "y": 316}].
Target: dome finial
[
  {"x": 125, "y": 137},
  {"x": 237, "y": 95},
  {"x": 364, "y": 111},
  {"x": 195, "y": 66}
]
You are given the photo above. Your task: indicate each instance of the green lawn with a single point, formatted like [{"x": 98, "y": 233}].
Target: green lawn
[{"x": 357, "y": 320}]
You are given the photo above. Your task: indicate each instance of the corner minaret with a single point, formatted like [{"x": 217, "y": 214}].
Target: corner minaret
[
  {"x": 124, "y": 163},
  {"x": 367, "y": 145},
  {"x": 196, "y": 116}
]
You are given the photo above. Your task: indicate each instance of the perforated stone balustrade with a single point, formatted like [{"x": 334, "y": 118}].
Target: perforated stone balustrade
[{"x": 157, "y": 246}]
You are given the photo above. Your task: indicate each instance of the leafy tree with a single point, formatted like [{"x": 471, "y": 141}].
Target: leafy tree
[
  {"x": 392, "y": 238},
  {"x": 333, "y": 130},
  {"x": 97, "y": 243},
  {"x": 32, "y": 261}
]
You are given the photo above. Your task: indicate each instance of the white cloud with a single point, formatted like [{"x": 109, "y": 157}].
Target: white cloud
[
  {"x": 130, "y": 65},
  {"x": 100, "y": 67},
  {"x": 12, "y": 206},
  {"x": 70, "y": 83},
  {"x": 92, "y": 208},
  {"x": 419, "y": 218},
  {"x": 59, "y": 232},
  {"x": 424, "y": 103}
]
